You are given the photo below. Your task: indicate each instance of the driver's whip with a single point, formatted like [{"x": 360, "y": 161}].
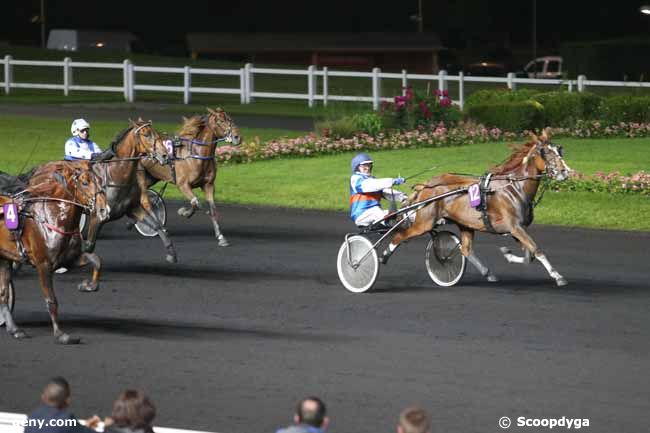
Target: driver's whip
[{"x": 419, "y": 173}]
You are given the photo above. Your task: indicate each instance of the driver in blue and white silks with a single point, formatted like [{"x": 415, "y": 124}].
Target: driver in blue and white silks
[
  {"x": 80, "y": 146},
  {"x": 366, "y": 192}
]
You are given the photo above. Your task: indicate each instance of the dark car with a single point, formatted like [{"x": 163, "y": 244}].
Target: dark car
[{"x": 487, "y": 69}]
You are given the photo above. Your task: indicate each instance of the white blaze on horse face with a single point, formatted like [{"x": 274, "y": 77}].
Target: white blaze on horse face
[
  {"x": 62, "y": 208},
  {"x": 564, "y": 169}
]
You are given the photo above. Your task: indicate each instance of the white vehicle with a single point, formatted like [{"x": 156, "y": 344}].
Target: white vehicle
[{"x": 544, "y": 67}]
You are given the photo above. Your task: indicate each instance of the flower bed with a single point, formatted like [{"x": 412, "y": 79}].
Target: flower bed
[
  {"x": 434, "y": 136},
  {"x": 613, "y": 183}
]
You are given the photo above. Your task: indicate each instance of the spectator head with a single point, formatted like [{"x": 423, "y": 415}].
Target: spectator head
[
  {"x": 414, "y": 420},
  {"x": 56, "y": 393},
  {"x": 133, "y": 409},
  {"x": 311, "y": 411}
]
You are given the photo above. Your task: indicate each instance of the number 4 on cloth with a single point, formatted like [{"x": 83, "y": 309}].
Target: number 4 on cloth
[
  {"x": 474, "y": 195},
  {"x": 11, "y": 215}
]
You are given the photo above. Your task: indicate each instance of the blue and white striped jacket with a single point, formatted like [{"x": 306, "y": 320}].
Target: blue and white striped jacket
[{"x": 78, "y": 148}]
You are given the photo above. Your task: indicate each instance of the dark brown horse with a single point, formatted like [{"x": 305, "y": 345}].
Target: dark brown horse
[
  {"x": 510, "y": 196},
  {"x": 192, "y": 161},
  {"x": 125, "y": 181},
  {"x": 51, "y": 208}
]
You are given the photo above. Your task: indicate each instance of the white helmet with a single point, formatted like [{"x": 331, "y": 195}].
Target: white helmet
[{"x": 78, "y": 125}]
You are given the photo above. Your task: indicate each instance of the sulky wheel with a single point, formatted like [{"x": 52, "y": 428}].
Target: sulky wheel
[{"x": 445, "y": 263}]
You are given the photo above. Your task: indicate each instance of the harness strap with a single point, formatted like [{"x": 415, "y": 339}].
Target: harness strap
[
  {"x": 483, "y": 207},
  {"x": 61, "y": 232}
]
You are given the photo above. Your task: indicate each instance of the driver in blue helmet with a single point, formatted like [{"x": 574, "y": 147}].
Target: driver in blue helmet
[{"x": 366, "y": 192}]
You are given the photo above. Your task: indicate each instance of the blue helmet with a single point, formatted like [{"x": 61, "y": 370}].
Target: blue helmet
[{"x": 359, "y": 159}]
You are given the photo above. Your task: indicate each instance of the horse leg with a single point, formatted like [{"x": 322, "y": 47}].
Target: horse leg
[
  {"x": 5, "y": 312},
  {"x": 208, "y": 191},
  {"x": 513, "y": 258},
  {"x": 522, "y": 235},
  {"x": 148, "y": 219},
  {"x": 194, "y": 201},
  {"x": 419, "y": 227},
  {"x": 467, "y": 238},
  {"x": 93, "y": 259},
  {"x": 45, "y": 278}
]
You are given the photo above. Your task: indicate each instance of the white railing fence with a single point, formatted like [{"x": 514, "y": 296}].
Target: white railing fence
[
  {"x": 14, "y": 422},
  {"x": 246, "y": 75}
]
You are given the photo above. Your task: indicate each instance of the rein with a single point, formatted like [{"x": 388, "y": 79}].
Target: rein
[{"x": 44, "y": 199}]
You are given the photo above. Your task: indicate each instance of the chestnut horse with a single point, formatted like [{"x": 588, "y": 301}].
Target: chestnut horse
[
  {"x": 509, "y": 200},
  {"x": 192, "y": 161},
  {"x": 51, "y": 207},
  {"x": 125, "y": 182}
]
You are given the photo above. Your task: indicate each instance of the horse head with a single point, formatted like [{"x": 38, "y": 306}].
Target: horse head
[
  {"x": 223, "y": 126},
  {"x": 146, "y": 140},
  {"x": 88, "y": 190},
  {"x": 548, "y": 157}
]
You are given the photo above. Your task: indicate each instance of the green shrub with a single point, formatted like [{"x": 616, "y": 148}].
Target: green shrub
[
  {"x": 509, "y": 116},
  {"x": 499, "y": 96},
  {"x": 563, "y": 109},
  {"x": 618, "y": 109},
  {"x": 370, "y": 123},
  {"x": 344, "y": 127}
]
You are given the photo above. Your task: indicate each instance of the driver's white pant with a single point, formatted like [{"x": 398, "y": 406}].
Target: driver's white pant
[{"x": 370, "y": 216}]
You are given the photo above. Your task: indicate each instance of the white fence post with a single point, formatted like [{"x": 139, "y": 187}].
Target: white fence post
[
  {"x": 442, "y": 80},
  {"x": 405, "y": 82},
  {"x": 311, "y": 85},
  {"x": 125, "y": 78},
  {"x": 581, "y": 83},
  {"x": 250, "y": 83},
  {"x": 8, "y": 74},
  {"x": 376, "y": 88},
  {"x": 570, "y": 86},
  {"x": 187, "y": 83},
  {"x": 461, "y": 89},
  {"x": 242, "y": 86},
  {"x": 131, "y": 79},
  {"x": 511, "y": 81},
  {"x": 67, "y": 75},
  {"x": 325, "y": 88}
]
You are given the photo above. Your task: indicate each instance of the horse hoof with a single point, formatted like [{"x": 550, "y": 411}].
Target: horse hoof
[
  {"x": 19, "y": 334},
  {"x": 87, "y": 287},
  {"x": 66, "y": 339},
  {"x": 185, "y": 213},
  {"x": 171, "y": 258},
  {"x": 223, "y": 242},
  {"x": 492, "y": 279},
  {"x": 561, "y": 282},
  {"x": 130, "y": 225},
  {"x": 385, "y": 256}
]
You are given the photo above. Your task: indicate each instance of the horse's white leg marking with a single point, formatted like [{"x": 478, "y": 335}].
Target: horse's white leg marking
[{"x": 559, "y": 279}]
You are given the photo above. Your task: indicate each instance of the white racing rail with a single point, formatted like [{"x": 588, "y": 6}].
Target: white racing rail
[
  {"x": 246, "y": 75},
  {"x": 13, "y": 422}
]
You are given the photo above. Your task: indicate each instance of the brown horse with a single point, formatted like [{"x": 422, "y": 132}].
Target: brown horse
[
  {"x": 125, "y": 181},
  {"x": 509, "y": 198},
  {"x": 192, "y": 163},
  {"x": 52, "y": 204}
]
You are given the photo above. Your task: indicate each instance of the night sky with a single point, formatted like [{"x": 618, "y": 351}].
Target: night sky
[{"x": 459, "y": 22}]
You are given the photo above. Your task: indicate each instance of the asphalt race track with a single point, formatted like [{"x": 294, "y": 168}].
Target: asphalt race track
[{"x": 230, "y": 338}]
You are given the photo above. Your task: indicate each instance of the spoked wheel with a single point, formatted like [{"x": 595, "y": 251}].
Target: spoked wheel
[
  {"x": 159, "y": 210},
  {"x": 357, "y": 264},
  {"x": 11, "y": 301},
  {"x": 445, "y": 263}
]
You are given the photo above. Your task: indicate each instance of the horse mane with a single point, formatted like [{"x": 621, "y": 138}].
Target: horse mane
[
  {"x": 192, "y": 126},
  {"x": 119, "y": 138},
  {"x": 515, "y": 159}
]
